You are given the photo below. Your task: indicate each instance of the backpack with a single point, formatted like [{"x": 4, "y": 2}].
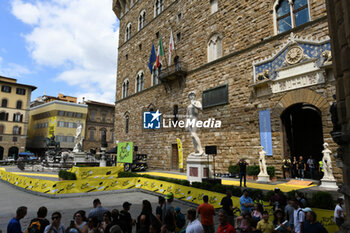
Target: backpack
[
  {"x": 180, "y": 220},
  {"x": 156, "y": 223},
  {"x": 34, "y": 227}
]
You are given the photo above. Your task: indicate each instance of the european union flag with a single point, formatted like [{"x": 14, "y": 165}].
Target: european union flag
[{"x": 152, "y": 58}]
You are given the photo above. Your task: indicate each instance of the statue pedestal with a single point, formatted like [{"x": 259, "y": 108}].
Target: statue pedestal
[
  {"x": 103, "y": 161},
  {"x": 264, "y": 178},
  {"x": 79, "y": 157},
  {"x": 197, "y": 168},
  {"x": 329, "y": 184}
]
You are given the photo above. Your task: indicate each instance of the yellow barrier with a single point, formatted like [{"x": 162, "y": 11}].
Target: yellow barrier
[
  {"x": 185, "y": 193},
  {"x": 97, "y": 172}
]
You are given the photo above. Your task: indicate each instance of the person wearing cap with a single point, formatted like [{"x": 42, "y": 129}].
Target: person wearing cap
[
  {"x": 311, "y": 224},
  {"x": 207, "y": 212},
  {"x": 168, "y": 207},
  {"x": 246, "y": 202},
  {"x": 125, "y": 218},
  {"x": 180, "y": 219},
  {"x": 98, "y": 210}
]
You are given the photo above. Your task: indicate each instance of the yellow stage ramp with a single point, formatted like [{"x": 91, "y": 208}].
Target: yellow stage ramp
[{"x": 285, "y": 187}]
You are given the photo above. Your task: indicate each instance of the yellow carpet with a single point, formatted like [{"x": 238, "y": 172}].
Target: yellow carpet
[
  {"x": 283, "y": 186},
  {"x": 34, "y": 174}
]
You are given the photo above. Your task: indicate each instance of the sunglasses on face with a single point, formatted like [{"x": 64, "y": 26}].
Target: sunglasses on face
[{"x": 56, "y": 217}]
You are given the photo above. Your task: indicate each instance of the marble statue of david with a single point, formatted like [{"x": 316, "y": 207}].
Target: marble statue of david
[{"x": 192, "y": 115}]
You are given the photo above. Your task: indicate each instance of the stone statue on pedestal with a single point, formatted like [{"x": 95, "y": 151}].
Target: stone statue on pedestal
[
  {"x": 262, "y": 162},
  {"x": 192, "y": 116},
  {"x": 78, "y": 139},
  {"x": 327, "y": 163}
]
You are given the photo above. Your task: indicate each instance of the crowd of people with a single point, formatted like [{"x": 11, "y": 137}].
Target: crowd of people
[
  {"x": 299, "y": 168},
  {"x": 289, "y": 215}
]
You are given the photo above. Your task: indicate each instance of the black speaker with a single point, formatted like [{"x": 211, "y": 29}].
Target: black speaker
[
  {"x": 210, "y": 150},
  {"x": 136, "y": 148}
]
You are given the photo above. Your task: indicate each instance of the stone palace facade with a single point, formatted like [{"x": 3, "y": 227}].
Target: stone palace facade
[{"x": 263, "y": 68}]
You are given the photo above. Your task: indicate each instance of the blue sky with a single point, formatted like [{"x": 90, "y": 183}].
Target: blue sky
[{"x": 60, "y": 46}]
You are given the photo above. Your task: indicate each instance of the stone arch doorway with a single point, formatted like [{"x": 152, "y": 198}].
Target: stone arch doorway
[
  {"x": 1, "y": 153},
  {"x": 13, "y": 152},
  {"x": 302, "y": 131}
]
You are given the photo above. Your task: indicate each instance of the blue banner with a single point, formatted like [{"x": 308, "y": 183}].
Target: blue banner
[{"x": 265, "y": 131}]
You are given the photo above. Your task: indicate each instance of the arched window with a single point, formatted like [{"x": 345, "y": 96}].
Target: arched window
[
  {"x": 16, "y": 130},
  {"x": 214, "y": 47},
  {"x": 19, "y": 104},
  {"x": 155, "y": 74},
  {"x": 4, "y": 103},
  {"x": 289, "y": 14},
  {"x": 139, "y": 82},
  {"x": 158, "y": 7},
  {"x": 2, "y": 129},
  {"x": 125, "y": 88},
  {"x": 127, "y": 123},
  {"x": 128, "y": 32},
  {"x": 142, "y": 19}
]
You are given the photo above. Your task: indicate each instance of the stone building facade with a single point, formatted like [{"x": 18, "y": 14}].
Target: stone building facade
[
  {"x": 14, "y": 116},
  {"x": 253, "y": 64},
  {"x": 99, "y": 122}
]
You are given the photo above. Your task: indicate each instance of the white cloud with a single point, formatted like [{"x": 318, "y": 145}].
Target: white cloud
[
  {"x": 12, "y": 70},
  {"x": 77, "y": 36},
  {"x": 27, "y": 12}
]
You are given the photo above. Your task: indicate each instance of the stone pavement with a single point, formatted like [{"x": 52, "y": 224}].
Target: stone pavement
[{"x": 11, "y": 198}]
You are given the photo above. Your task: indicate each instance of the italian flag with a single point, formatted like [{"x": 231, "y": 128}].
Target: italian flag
[{"x": 160, "y": 52}]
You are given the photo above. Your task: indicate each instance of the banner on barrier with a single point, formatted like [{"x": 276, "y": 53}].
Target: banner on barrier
[{"x": 97, "y": 172}]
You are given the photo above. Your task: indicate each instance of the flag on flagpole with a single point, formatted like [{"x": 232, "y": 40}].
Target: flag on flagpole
[
  {"x": 152, "y": 58},
  {"x": 160, "y": 52},
  {"x": 171, "y": 46}
]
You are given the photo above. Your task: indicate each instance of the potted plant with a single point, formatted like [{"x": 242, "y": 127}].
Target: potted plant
[
  {"x": 65, "y": 175},
  {"x": 234, "y": 170},
  {"x": 252, "y": 172},
  {"x": 272, "y": 173}
]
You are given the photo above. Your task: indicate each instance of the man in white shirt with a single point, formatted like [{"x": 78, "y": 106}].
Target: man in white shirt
[
  {"x": 194, "y": 225},
  {"x": 55, "y": 226},
  {"x": 299, "y": 216},
  {"x": 339, "y": 213}
]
